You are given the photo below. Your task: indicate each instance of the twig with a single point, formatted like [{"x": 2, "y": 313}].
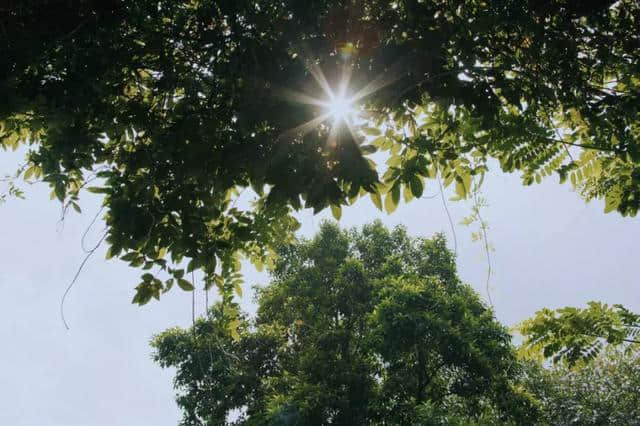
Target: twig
[
  {"x": 483, "y": 229},
  {"x": 193, "y": 302},
  {"x": 446, "y": 209},
  {"x": 86, "y": 231},
  {"x": 75, "y": 277}
]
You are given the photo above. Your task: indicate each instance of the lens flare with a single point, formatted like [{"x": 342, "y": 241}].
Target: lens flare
[
  {"x": 338, "y": 103},
  {"x": 340, "y": 109}
]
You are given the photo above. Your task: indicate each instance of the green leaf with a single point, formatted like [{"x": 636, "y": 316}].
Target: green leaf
[
  {"x": 368, "y": 149},
  {"x": 192, "y": 265},
  {"x": 612, "y": 200},
  {"x": 394, "y": 161},
  {"x": 109, "y": 253},
  {"x": 129, "y": 256},
  {"x": 408, "y": 195},
  {"x": 233, "y": 329},
  {"x": 31, "y": 171},
  {"x": 392, "y": 199},
  {"x": 371, "y": 131},
  {"x": 185, "y": 285},
  {"x": 219, "y": 281},
  {"x": 377, "y": 201},
  {"x": 235, "y": 263},
  {"x": 60, "y": 191},
  {"x": 257, "y": 262},
  {"x": 377, "y": 142},
  {"x": 336, "y": 211},
  {"x": 98, "y": 190},
  {"x": 466, "y": 181},
  {"x": 237, "y": 287},
  {"x": 395, "y": 192},
  {"x": 416, "y": 186},
  {"x": 461, "y": 190}
]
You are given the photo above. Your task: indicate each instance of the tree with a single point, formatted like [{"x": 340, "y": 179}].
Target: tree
[
  {"x": 602, "y": 392},
  {"x": 574, "y": 335},
  {"x": 595, "y": 375},
  {"x": 174, "y": 107},
  {"x": 358, "y": 327}
]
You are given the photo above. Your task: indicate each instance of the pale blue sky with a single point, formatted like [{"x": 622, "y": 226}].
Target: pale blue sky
[{"x": 550, "y": 250}]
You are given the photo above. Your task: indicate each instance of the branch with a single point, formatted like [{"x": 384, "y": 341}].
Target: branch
[{"x": 583, "y": 146}]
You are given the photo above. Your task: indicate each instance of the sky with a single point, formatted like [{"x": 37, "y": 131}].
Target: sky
[{"x": 551, "y": 250}]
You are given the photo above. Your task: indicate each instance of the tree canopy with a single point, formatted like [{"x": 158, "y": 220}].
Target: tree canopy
[
  {"x": 172, "y": 108},
  {"x": 358, "y": 327},
  {"x": 601, "y": 392}
]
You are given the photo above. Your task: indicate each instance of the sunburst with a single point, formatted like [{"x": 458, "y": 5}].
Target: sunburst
[
  {"x": 340, "y": 106},
  {"x": 340, "y": 109}
]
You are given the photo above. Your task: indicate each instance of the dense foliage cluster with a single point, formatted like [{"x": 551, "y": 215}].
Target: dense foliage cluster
[
  {"x": 602, "y": 392},
  {"x": 174, "y": 107},
  {"x": 360, "y": 327},
  {"x": 572, "y": 335}
]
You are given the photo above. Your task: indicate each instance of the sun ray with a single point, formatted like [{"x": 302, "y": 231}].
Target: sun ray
[
  {"x": 382, "y": 80},
  {"x": 353, "y": 132},
  {"x": 347, "y": 70},
  {"x": 332, "y": 138},
  {"x": 305, "y": 128},
  {"x": 299, "y": 97},
  {"x": 318, "y": 75}
]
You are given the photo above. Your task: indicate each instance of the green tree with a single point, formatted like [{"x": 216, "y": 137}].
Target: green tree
[
  {"x": 357, "y": 327},
  {"x": 602, "y": 392},
  {"x": 176, "y": 106}
]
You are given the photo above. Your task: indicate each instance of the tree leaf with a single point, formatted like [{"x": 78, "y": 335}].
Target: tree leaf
[
  {"x": 461, "y": 190},
  {"x": 60, "y": 191},
  {"x": 233, "y": 329},
  {"x": 336, "y": 211},
  {"x": 368, "y": 149},
  {"x": 371, "y": 131},
  {"x": 238, "y": 288},
  {"x": 31, "y": 171},
  {"x": 392, "y": 199},
  {"x": 416, "y": 186},
  {"x": 185, "y": 285},
  {"x": 98, "y": 190},
  {"x": 377, "y": 201}
]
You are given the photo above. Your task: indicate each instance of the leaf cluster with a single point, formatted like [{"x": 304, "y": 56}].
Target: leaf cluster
[{"x": 576, "y": 336}]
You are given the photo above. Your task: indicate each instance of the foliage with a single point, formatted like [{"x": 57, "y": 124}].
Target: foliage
[
  {"x": 573, "y": 335},
  {"x": 206, "y": 351},
  {"x": 172, "y": 108},
  {"x": 602, "y": 392},
  {"x": 12, "y": 189},
  {"x": 358, "y": 327}
]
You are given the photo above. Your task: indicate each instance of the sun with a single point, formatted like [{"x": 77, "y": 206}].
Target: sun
[
  {"x": 340, "y": 104},
  {"x": 340, "y": 109}
]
